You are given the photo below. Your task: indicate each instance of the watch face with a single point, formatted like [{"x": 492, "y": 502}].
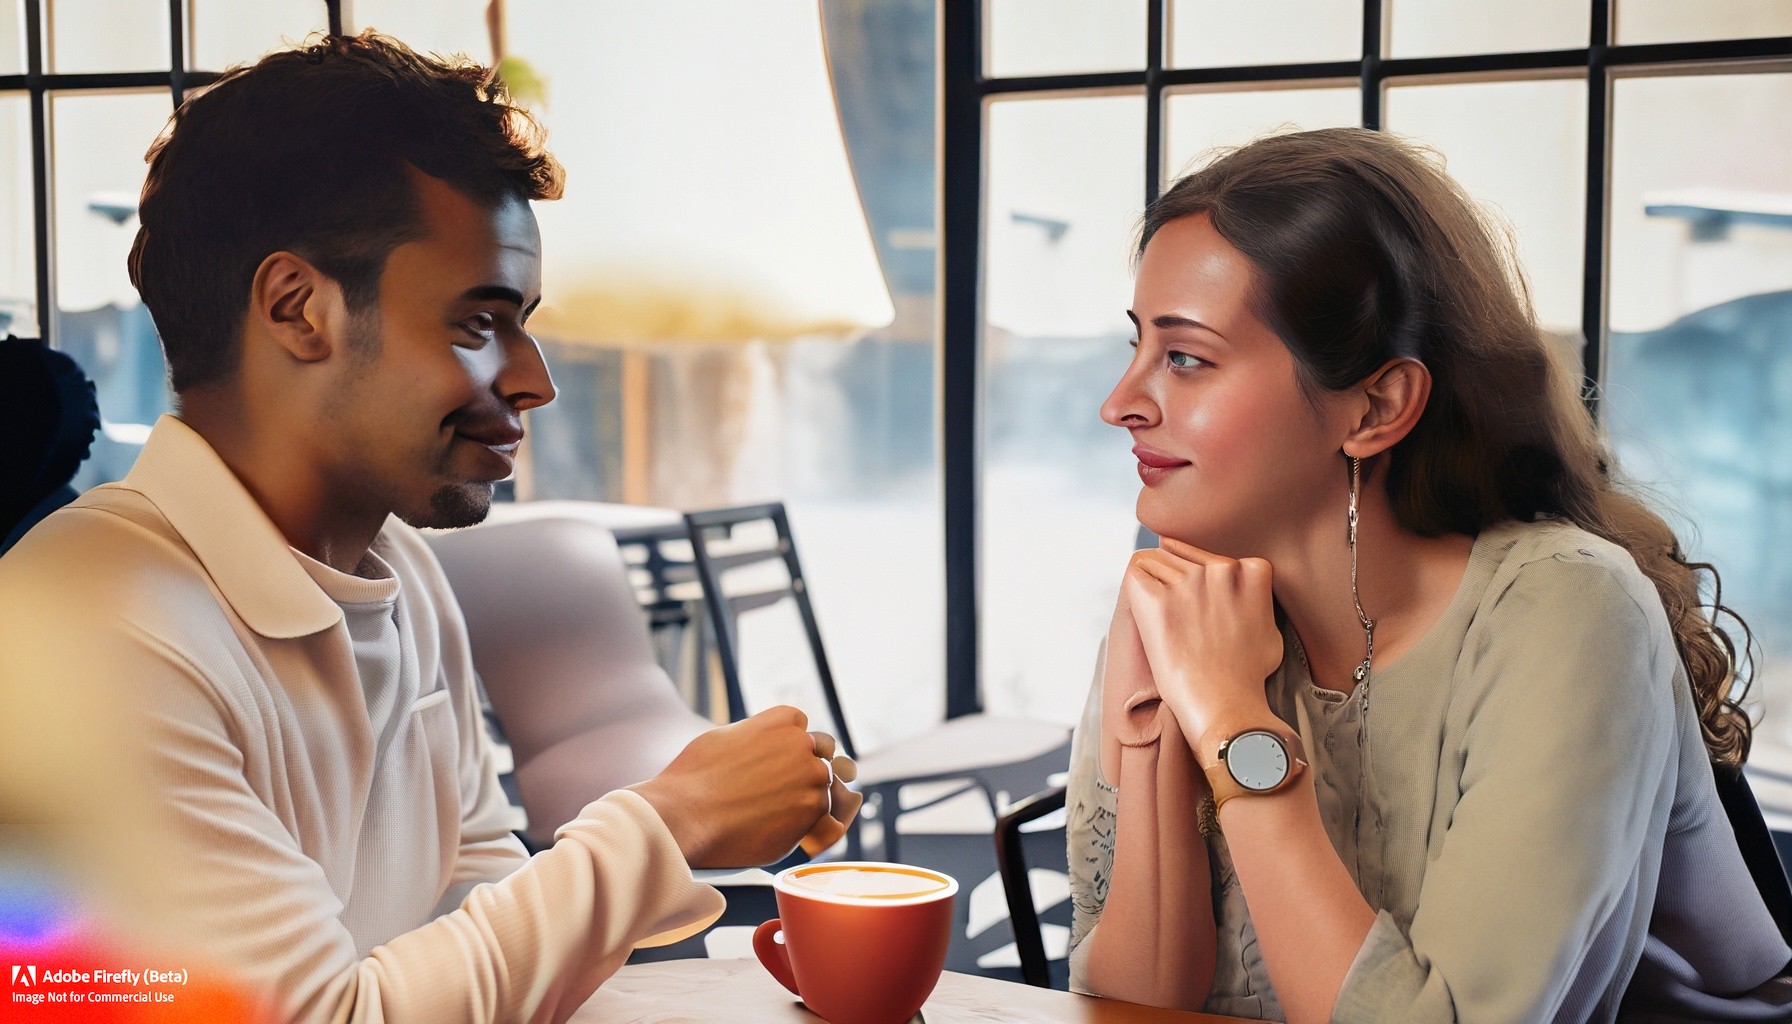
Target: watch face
[{"x": 1258, "y": 760}]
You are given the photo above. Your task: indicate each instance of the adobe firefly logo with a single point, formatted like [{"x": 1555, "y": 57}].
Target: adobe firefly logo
[{"x": 29, "y": 973}]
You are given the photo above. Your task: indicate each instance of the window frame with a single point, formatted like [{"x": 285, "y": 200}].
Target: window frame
[
  {"x": 38, "y": 86},
  {"x": 965, "y": 95}
]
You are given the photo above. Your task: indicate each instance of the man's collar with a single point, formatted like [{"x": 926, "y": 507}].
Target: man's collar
[{"x": 241, "y": 548}]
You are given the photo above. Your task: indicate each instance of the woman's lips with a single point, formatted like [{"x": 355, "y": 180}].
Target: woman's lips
[{"x": 1154, "y": 465}]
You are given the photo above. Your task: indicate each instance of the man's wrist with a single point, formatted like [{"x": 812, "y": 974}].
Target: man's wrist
[{"x": 686, "y": 831}]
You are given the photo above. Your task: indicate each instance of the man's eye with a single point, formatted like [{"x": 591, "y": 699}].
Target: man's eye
[
  {"x": 481, "y": 323},
  {"x": 1183, "y": 359}
]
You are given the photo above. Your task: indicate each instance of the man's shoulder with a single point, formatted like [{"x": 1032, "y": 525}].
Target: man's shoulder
[
  {"x": 109, "y": 531},
  {"x": 109, "y": 556}
]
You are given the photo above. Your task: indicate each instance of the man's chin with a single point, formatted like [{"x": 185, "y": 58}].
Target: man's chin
[{"x": 453, "y": 506}]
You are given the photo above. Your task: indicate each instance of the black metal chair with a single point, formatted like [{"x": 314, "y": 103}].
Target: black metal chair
[
  {"x": 1758, "y": 849},
  {"x": 986, "y": 752},
  {"x": 665, "y": 579},
  {"x": 1011, "y": 863}
]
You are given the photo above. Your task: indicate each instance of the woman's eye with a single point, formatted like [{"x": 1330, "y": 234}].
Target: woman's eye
[{"x": 1184, "y": 360}]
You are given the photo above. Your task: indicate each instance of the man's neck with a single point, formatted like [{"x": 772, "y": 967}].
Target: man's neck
[{"x": 286, "y": 482}]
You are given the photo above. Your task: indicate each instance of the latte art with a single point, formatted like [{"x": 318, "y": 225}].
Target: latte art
[{"x": 887, "y": 883}]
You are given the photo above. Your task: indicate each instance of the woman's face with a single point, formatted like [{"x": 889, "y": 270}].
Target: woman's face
[{"x": 1231, "y": 452}]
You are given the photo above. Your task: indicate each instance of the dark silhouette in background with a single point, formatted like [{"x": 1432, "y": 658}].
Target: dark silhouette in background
[{"x": 48, "y": 418}]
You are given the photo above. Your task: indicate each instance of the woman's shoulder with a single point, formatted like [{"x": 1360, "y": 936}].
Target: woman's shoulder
[
  {"x": 1554, "y": 586},
  {"x": 1555, "y": 564}
]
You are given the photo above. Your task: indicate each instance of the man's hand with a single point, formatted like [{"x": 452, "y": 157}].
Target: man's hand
[
  {"x": 843, "y": 802},
  {"x": 746, "y": 794}
]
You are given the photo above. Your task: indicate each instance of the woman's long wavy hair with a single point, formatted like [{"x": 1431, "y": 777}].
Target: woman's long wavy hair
[{"x": 1366, "y": 251}]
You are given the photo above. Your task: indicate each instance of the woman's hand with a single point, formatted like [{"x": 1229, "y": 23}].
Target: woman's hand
[{"x": 1207, "y": 626}]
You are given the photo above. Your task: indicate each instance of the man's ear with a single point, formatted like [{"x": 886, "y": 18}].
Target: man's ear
[
  {"x": 1395, "y": 398},
  {"x": 298, "y": 307}
]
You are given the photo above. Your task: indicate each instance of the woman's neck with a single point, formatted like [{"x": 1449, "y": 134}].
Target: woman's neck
[{"x": 1405, "y": 582}]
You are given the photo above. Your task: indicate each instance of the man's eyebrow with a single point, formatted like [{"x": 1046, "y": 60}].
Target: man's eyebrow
[{"x": 487, "y": 292}]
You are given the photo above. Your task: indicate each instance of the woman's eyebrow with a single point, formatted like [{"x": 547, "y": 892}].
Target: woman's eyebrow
[{"x": 1171, "y": 320}]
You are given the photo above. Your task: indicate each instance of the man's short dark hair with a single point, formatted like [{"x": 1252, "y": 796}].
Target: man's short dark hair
[{"x": 309, "y": 151}]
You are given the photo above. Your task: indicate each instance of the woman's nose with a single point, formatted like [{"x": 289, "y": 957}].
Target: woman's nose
[{"x": 1130, "y": 403}]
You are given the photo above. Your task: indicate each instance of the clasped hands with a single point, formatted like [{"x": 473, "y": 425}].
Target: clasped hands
[
  {"x": 1193, "y": 632},
  {"x": 746, "y": 794}
]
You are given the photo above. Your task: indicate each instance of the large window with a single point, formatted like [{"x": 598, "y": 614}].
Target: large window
[
  {"x": 837, "y": 424},
  {"x": 1635, "y": 149}
]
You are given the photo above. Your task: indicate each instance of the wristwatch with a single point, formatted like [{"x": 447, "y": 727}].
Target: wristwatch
[{"x": 1255, "y": 762}]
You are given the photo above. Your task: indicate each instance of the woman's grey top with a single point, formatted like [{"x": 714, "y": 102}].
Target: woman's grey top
[{"x": 1527, "y": 805}]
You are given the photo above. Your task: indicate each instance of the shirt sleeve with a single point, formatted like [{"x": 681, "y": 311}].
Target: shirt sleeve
[
  {"x": 1565, "y": 783},
  {"x": 532, "y": 945}
]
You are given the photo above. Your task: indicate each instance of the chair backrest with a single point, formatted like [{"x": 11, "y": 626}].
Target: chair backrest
[
  {"x": 561, "y": 645},
  {"x": 1755, "y": 841},
  {"x": 724, "y": 608},
  {"x": 1017, "y": 888}
]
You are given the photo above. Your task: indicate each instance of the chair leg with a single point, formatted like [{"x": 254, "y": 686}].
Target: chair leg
[
  {"x": 855, "y": 839},
  {"x": 889, "y": 808}
]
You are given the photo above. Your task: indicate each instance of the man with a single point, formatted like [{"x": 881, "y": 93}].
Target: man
[{"x": 339, "y": 254}]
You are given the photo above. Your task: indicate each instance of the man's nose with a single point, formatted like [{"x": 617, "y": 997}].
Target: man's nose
[{"x": 524, "y": 382}]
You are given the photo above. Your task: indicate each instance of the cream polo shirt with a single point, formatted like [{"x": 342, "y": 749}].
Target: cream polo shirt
[{"x": 319, "y": 861}]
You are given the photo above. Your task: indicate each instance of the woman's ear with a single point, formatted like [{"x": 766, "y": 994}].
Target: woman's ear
[
  {"x": 296, "y": 306},
  {"x": 1395, "y": 399}
]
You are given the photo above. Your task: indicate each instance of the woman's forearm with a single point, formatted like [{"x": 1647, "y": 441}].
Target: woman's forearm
[
  {"x": 1309, "y": 917},
  {"x": 1155, "y": 944}
]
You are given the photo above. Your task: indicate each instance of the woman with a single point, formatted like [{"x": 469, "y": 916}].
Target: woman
[{"x": 1478, "y": 782}]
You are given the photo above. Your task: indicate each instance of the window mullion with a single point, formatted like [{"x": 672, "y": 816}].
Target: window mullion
[
  {"x": 1373, "y": 41},
  {"x": 1599, "y": 142},
  {"x": 40, "y": 168}
]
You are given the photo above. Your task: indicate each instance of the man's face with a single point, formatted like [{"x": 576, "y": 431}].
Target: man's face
[{"x": 425, "y": 412}]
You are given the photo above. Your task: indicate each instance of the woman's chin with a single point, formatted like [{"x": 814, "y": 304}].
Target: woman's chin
[
  {"x": 1173, "y": 527},
  {"x": 1206, "y": 536}
]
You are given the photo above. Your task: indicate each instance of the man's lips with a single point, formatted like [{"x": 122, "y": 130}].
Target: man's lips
[
  {"x": 500, "y": 440},
  {"x": 500, "y": 437},
  {"x": 1153, "y": 459}
]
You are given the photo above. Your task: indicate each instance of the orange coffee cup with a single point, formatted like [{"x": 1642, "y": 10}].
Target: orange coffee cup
[{"x": 859, "y": 942}]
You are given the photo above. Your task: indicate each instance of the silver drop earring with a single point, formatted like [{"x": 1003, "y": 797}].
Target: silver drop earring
[{"x": 1362, "y": 671}]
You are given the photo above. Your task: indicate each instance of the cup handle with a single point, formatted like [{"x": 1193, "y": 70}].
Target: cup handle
[{"x": 773, "y": 955}]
